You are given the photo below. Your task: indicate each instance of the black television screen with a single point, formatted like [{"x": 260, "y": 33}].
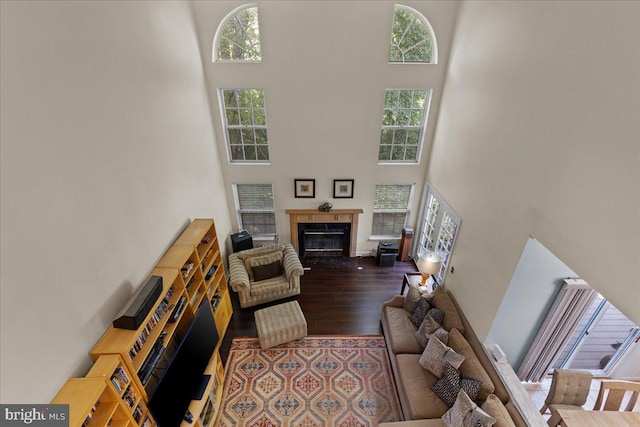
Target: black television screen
[{"x": 183, "y": 379}]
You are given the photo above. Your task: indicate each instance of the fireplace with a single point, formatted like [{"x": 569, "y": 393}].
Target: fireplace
[
  {"x": 324, "y": 239},
  {"x": 326, "y": 233}
]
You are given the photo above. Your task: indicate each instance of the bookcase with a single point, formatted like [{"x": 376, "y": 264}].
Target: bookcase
[{"x": 117, "y": 388}]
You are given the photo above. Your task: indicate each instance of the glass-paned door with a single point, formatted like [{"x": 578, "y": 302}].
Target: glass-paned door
[
  {"x": 601, "y": 338},
  {"x": 438, "y": 228}
]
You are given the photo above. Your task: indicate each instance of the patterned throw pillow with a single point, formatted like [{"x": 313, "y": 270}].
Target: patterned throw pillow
[
  {"x": 436, "y": 356},
  {"x": 478, "y": 418},
  {"x": 436, "y": 314},
  {"x": 451, "y": 383},
  {"x": 411, "y": 300},
  {"x": 461, "y": 409},
  {"x": 421, "y": 310},
  {"x": 429, "y": 327}
]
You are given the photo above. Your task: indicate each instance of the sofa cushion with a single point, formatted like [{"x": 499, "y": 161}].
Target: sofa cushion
[
  {"x": 256, "y": 261},
  {"x": 266, "y": 271},
  {"x": 416, "y": 384},
  {"x": 429, "y": 327},
  {"x": 455, "y": 417},
  {"x": 436, "y": 355},
  {"x": 411, "y": 300},
  {"x": 400, "y": 334},
  {"x": 451, "y": 317},
  {"x": 494, "y": 407},
  {"x": 422, "y": 307},
  {"x": 471, "y": 367},
  {"x": 447, "y": 387}
]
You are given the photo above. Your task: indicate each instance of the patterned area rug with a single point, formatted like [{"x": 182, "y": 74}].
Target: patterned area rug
[
  {"x": 330, "y": 262},
  {"x": 316, "y": 381}
]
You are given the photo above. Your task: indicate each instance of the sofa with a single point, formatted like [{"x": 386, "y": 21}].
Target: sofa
[
  {"x": 411, "y": 346},
  {"x": 265, "y": 274}
]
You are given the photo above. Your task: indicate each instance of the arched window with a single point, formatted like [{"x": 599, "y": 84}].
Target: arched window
[
  {"x": 238, "y": 36},
  {"x": 412, "y": 38}
]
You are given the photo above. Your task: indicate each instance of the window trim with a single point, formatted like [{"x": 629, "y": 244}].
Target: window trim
[
  {"x": 225, "y": 129},
  {"x": 407, "y": 212},
  {"x": 423, "y": 129},
  {"x": 216, "y": 38},
  {"x": 427, "y": 24}
]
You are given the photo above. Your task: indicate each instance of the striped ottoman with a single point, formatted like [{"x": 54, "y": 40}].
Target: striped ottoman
[{"x": 280, "y": 324}]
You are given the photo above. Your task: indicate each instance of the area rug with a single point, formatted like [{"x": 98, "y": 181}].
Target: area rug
[{"x": 316, "y": 381}]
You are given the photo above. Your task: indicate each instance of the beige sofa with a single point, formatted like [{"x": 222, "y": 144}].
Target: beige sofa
[
  {"x": 414, "y": 383},
  {"x": 265, "y": 274}
]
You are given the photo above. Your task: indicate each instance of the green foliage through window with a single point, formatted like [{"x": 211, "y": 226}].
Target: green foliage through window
[
  {"x": 402, "y": 124},
  {"x": 239, "y": 39},
  {"x": 246, "y": 124},
  {"x": 411, "y": 38}
]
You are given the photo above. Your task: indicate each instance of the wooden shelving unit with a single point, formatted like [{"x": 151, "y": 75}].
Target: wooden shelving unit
[{"x": 113, "y": 392}]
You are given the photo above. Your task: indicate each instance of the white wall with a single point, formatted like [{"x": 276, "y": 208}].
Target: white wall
[
  {"x": 107, "y": 152},
  {"x": 535, "y": 284},
  {"x": 538, "y": 136},
  {"x": 324, "y": 72}
]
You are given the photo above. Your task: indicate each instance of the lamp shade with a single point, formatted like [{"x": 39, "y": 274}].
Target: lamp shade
[{"x": 429, "y": 263}]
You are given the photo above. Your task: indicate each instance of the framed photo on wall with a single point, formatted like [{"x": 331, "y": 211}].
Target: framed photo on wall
[
  {"x": 343, "y": 189},
  {"x": 305, "y": 188}
]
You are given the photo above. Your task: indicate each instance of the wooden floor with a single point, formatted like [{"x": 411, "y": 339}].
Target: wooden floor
[{"x": 334, "y": 301}]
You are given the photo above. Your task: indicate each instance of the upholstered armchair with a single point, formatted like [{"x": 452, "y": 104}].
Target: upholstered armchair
[{"x": 265, "y": 274}]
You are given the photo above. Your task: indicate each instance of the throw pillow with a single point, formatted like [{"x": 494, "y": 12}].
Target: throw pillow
[
  {"x": 452, "y": 318},
  {"x": 411, "y": 300},
  {"x": 447, "y": 387},
  {"x": 429, "y": 327},
  {"x": 460, "y": 410},
  {"x": 478, "y": 418},
  {"x": 437, "y": 314},
  {"x": 267, "y": 271},
  {"x": 261, "y": 260},
  {"x": 494, "y": 407},
  {"x": 421, "y": 310},
  {"x": 436, "y": 356}
]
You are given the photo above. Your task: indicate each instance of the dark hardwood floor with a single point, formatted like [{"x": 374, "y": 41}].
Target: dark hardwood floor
[{"x": 335, "y": 301}]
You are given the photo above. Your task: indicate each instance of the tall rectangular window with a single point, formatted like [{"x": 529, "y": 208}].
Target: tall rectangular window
[
  {"x": 391, "y": 209},
  {"x": 403, "y": 122},
  {"x": 245, "y": 123},
  {"x": 438, "y": 229},
  {"x": 256, "y": 211}
]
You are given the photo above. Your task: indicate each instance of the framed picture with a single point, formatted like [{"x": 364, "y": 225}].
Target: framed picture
[
  {"x": 343, "y": 189},
  {"x": 305, "y": 188}
]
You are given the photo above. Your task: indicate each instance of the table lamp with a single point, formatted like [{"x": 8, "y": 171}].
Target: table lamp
[{"x": 428, "y": 264}]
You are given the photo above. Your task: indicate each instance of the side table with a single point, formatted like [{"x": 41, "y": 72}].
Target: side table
[{"x": 414, "y": 278}]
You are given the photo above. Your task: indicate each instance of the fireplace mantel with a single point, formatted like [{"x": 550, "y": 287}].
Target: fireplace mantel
[{"x": 335, "y": 215}]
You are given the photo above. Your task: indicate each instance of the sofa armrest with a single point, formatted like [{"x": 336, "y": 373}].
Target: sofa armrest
[
  {"x": 291, "y": 263},
  {"x": 238, "y": 276},
  {"x": 396, "y": 301}
]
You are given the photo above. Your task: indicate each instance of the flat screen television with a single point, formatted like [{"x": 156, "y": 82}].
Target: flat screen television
[{"x": 184, "y": 378}]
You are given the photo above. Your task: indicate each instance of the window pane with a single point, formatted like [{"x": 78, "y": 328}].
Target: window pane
[
  {"x": 404, "y": 115},
  {"x": 388, "y": 224},
  {"x": 263, "y": 223},
  {"x": 246, "y": 125},
  {"x": 411, "y": 40},
  {"x": 392, "y": 196},
  {"x": 240, "y": 37}
]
